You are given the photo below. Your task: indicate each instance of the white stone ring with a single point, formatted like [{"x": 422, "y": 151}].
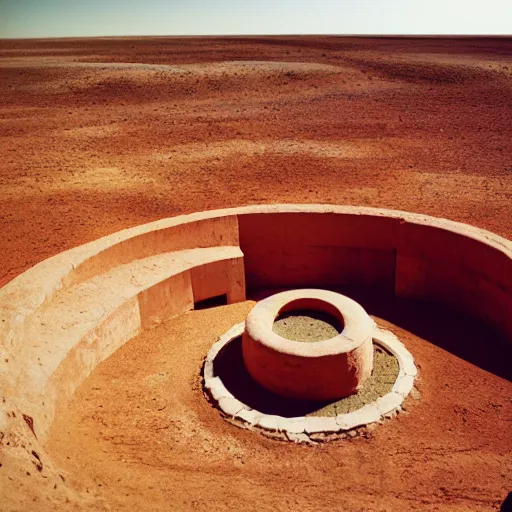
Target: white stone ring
[{"x": 298, "y": 429}]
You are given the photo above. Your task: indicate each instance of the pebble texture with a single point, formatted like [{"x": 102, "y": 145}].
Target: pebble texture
[{"x": 307, "y": 326}]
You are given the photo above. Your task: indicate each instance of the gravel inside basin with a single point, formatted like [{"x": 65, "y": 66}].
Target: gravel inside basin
[
  {"x": 307, "y": 325},
  {"x": 384, "y": 375}
]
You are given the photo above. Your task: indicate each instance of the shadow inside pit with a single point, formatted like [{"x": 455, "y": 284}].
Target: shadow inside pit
[
  {"x": 506, "y": 506},
  {"x": 230, "y": 367},
  {"x": 463, "y": 335}
]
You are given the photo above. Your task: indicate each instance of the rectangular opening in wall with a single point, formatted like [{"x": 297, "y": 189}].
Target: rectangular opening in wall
[{"x": 212, "y": 302}]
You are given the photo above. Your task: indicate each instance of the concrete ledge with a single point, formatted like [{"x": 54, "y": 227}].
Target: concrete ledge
[
  {"x": 83, "y": 324},
  {"x": 374, "y": 412}
]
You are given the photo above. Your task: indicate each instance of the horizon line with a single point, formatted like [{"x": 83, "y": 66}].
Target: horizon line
[{"x": 190, "y": 36}]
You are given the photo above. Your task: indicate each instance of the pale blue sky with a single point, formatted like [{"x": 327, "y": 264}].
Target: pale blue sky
[{"x": 63, "y": 18}]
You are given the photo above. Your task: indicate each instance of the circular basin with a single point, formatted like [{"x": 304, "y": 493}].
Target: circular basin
[{"x": 322, "y": 370}]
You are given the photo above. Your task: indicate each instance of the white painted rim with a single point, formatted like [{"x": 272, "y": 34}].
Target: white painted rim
[{"x": 373, "y": 412}]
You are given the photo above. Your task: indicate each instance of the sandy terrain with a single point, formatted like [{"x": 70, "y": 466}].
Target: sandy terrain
[
  {"x": 143, "y": 433},
  {"x": 99, "y": 135}
]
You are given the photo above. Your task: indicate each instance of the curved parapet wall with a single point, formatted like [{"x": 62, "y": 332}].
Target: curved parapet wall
[
  {"x": 61, "y": 318},
  {"x": 411, "y": 255}
]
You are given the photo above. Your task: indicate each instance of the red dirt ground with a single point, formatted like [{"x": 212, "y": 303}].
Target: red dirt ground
[
  {"x": 139, "y": 434},
  {"x": 99, "y": 135}
]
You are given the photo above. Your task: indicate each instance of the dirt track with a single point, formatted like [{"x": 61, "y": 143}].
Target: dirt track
[{"x": 99, "y": 135}]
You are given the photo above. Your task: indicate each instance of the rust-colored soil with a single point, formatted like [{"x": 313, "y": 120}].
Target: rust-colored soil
[
  {"x": 140, "y": 432},
  {"x": 99, "y": 135}
]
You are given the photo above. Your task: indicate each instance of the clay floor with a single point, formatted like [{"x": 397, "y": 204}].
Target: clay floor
[{"x": 99, "y": 135}]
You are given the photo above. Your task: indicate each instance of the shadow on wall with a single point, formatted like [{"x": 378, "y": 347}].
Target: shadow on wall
[
  {"x": 463, "y": 335},
  {"x": 506, "y": 506}
]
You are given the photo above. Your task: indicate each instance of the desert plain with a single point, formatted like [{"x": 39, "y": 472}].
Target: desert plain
[{"x": 97, "y": 135}]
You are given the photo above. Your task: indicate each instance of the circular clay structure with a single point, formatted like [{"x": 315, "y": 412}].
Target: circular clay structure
[
  {"x": 300, "y": 428},
  {"x": 323, "y": 370},
  {"x": 69, "y": 313}
]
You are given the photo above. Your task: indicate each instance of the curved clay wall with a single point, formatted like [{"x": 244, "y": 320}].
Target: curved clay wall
[
  {"x": 68, "y": 313},
  {"x": 414, "y": 256}
]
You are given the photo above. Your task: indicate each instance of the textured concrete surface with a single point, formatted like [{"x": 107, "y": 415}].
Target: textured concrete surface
[{"x": 306, "y": 325}]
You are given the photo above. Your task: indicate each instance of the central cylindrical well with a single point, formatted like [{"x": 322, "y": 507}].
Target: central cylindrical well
[{"x": 322, "y": 370}]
